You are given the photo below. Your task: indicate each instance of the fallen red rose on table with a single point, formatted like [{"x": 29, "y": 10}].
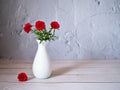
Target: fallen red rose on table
[{"x": 22, "y": 76}]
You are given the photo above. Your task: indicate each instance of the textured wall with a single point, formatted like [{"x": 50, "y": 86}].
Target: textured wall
[{"x": 90, "y": 29}]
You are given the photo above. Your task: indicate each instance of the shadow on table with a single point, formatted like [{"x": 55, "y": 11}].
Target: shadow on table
[{"x": 66, "y": 69}]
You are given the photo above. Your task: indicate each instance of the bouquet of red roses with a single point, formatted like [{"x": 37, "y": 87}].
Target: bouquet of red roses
[{"x": 41, "y": 31}]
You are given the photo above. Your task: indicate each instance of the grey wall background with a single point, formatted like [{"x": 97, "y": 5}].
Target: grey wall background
[{"x": 90, "y": 29}]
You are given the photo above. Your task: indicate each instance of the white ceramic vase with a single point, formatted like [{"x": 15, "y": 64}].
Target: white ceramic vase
[{"x": 41, "y": 64}]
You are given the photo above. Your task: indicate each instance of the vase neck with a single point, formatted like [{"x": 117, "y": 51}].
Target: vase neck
[{"x": 44, "y": 43}]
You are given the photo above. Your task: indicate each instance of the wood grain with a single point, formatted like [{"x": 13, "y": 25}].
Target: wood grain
[{"x": 73, "y": 75}]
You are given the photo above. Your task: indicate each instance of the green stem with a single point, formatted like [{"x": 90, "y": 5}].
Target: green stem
[
  {"x": 50, "y": 30},
  {"x": 54, "y": 32}
]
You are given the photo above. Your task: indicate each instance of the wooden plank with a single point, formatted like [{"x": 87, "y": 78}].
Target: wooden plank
[
  {"x": 62, "y": 61},
  {"x": 87, "y": 64},
  {"x": 60, "y": 86},
  {"x": 67, "y": 71},
  {"x": 76, "y": 78}
]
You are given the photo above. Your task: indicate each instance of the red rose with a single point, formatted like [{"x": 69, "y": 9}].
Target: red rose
[
  {"x": 22, "y": 76},
  {"x": 27, "y": 27},
  {"x": 55, "y": 25},
  {"x": 40, "y": 25}
]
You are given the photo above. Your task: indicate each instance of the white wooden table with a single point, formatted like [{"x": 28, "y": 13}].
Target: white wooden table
[{"x": 67, "y": 75}]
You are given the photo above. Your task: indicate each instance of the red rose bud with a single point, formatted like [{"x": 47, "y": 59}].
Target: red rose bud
[
  {"x": 22, "y": 76},
  {"x": 27, "y": 27},
  {"x": 40, "y": 25},
  {"x": 55, "y": 25}
]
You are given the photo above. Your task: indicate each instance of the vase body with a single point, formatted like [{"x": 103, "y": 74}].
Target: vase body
[{"x": 41, "y": 64}]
